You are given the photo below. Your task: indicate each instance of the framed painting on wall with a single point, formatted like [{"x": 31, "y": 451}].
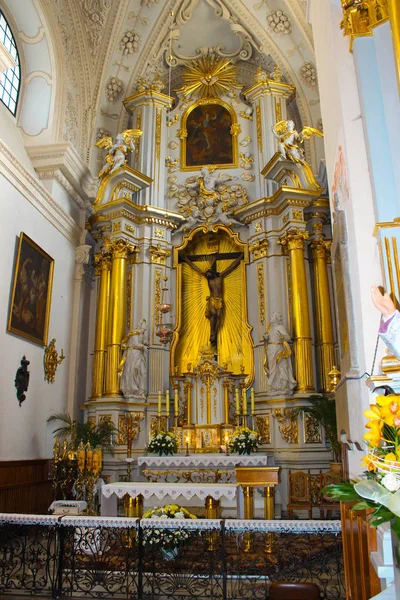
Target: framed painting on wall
[
  {"x": 209, "y": 136},
  {"x": 31, "y": 292}
]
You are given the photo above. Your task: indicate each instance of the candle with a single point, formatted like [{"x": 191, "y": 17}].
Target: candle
[
  {"x": 159, "y": 403},
  {"x": 187, "y": 445},
  {"x": 95, "y": 462},
  {"x": 244, "y": 400},
  {"x": 167, "y": 402},
  {"x": 252, "y": 401},
  {"x": 176, "y": 402},
  {"x": 89, "y": 459},
  {"x": 237, "y": 401}
]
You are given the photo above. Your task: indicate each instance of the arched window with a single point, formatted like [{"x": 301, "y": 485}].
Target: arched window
[{"x": 9, "y": 80}]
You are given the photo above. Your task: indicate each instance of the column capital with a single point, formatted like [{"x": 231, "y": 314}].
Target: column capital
[
  {"x": 101, "y": 262},
  {"x": 360, "y": 17},
  {"x": 293, "y": 238},
  {"x": 321, "y": 248},
  {"x": 118, "y": 248}
]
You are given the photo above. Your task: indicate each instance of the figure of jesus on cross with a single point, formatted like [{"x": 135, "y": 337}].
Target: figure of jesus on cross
[{"x": 214, "y": 302}]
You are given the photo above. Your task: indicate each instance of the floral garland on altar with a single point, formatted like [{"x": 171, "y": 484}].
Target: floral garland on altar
[
  {"x": 163, "y": 442},
  {"x": 380, "y": 489},
  {"x": 244, "y": 441}
]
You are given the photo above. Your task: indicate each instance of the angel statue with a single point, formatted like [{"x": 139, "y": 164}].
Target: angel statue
[
  {"x": 117, "y": 151},
  {"x": 289, "y": 139}
]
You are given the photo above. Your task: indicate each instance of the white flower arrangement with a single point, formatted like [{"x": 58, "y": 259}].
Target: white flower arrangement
[
  {"x": 244, "y": 441},
  {"x": 167, "y": 538},
  {"x": 163, "y": 442}
]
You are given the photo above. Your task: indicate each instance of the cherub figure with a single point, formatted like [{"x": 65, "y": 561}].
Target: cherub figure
[
  {"x": 117, "y": 151},
  {"x": 290, "y": 139}
]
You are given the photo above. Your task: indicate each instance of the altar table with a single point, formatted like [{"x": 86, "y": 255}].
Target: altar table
[{"x": 139, "y": 490}]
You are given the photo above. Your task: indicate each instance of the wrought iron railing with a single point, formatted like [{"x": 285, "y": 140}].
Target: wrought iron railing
[{"x": 148, "y": 559}]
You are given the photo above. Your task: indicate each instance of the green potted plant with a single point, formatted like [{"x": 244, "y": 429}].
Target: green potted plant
[
  {"x": 99, "y": 435},
  {"x": 323, "y": 409}
]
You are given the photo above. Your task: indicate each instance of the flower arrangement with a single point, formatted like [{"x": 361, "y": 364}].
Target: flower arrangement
[
  {"x": 163, "y": 442},
  {"x": 380, "y": 489},
  {"x": 244, "y": 441},
  {"x": 167, "y": 538}
]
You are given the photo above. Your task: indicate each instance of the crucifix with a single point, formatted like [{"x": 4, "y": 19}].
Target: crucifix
[{"x": 214, "y": 302}]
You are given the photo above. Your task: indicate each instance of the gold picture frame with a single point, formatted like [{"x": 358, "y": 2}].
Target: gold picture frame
[
  {"x": 31, "y": 292},
  {"x": 209, "y": 136}
]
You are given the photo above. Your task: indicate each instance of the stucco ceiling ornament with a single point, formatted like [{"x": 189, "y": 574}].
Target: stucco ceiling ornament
[
  {"x": 308, "y": 73},
  {"x": 96, "y": 13},
  {"x": 209, "y": 199},
  {"x": 101, "y": 133},
  {"x": 114, "y": 89},
  {"x": 279, "y": 23},
  {"x": 129, "y": 42}
]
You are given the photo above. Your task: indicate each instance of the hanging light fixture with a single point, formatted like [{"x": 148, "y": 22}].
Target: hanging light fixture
[{"x": 165, "y": 326}]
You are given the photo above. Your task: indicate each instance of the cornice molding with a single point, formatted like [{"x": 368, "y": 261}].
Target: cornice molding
[
  {"x": 62, "y": 162},
  {"x": 34, "y": 192}
]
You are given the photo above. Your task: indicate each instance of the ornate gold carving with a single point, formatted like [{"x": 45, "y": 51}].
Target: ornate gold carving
[
  {"x": 106, "y": 417},
  {"x": 129, "y": 300},
  {"x": 158, "y": 255},
  {"x": 285, "y": 218},
  {"x": 321, "y": 248},
  {"x": 91, "y": 421},
  {"x": 138, "y": 141},
  {"x": 334, "y": 376},
  {"x": 288, "y": 424},
  {"x": 278, "y": 110},
  {"x": 264, "y": 428},
  {"x": 258, "y": 226},
  {"x": 158, "y": 424},
  {"x": 246, "y": 162},
  {"x": 361, "y": 16},
  {"x": 116, "y": 226},
  {"x": 51, "y": 361},
  {"x": 243, "y": 114},
  {"x": 190, "y": 476},
  {"x": 312, "y": 429},
  {"x": 119, "y": 248},
  {"x": 259, "y": 248},
  {"x": 261, "y": 292},
  {"x": 235, "y": 129},
  {"x": 259, "y": 129},
  {"x": 157, "y": 295},
  {"x": 129, "y": 228},
  {"x": 159, "y": 233},
  {"x": 102, "y": 262},
  {"x": 129, "y": 428},
  {"x": 181, "y": 134},
  {"x": 158, "y": 134},
  {"x": 297, "y": 214},
  {"x": 209, "y": 76},
  {"x": 173, "y": 121},
  {"x": 293, "y": 238}
]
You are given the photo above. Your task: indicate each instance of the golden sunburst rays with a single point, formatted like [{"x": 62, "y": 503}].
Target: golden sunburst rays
[{"x": 209, "y": 77}]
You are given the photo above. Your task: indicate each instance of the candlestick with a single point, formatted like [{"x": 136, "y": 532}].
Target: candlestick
[
  {"x": 159, "y": 403},
  {"x": 176, "y": 402},
  {"x": 252, "y": 402},
  {"x": 167, "y": 403},
  {"x": 187, "y": 445},
  {"x": 244, "y": 400},
  {"x": 237, "y": 401}
]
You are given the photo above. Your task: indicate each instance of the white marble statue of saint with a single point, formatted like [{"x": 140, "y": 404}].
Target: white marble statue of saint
[
  {"x": 133, "y": 366},
  {"x": 389, "y": 329},
  {"x": 277, "y": 364}
]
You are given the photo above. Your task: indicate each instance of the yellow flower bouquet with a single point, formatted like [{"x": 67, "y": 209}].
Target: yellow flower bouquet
[{"x": 380, "y": 489}]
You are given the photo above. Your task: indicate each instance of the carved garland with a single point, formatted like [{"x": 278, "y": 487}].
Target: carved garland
[{"x": 288, "y": 424}]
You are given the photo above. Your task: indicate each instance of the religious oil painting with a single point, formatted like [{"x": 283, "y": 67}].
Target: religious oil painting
[
  {"x": 209, "y": 140},
  {"x": 31, "y": 292}
]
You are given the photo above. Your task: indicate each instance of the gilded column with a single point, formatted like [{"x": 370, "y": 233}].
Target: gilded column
[
  {"x": 294, "y": 239},
  {"x": 394, "y": 14},
  {"x": 120, "y": 249},
  {"x": 103, "y": 269},
  {"x": 323, "y": 311}
]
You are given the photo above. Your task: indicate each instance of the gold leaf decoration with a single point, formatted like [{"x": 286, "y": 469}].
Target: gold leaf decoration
[{"x": 209, "y": 76}]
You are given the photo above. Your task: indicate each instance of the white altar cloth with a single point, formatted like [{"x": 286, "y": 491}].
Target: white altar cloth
[
  {"x": 112, "y": 491},
  {"x": 204, "y": 460}
]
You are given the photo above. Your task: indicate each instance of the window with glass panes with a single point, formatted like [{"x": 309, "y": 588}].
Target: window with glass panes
[{"x": 10, "y": 80}]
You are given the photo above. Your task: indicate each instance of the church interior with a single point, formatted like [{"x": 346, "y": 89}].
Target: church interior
[{"x": 198, "y": 196}]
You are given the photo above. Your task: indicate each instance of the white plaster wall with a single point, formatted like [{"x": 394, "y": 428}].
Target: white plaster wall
[
  {"x": 24, "y": 433},
  {"x": 341, "y": 116}
]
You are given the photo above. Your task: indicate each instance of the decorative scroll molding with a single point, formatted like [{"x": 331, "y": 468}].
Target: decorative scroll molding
[
  {"x": 261, "y": 293},
  {"x": 264, "y": 428},
  {"x": 288, "y": 424},
  {"x": 312, "y": 430}
]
